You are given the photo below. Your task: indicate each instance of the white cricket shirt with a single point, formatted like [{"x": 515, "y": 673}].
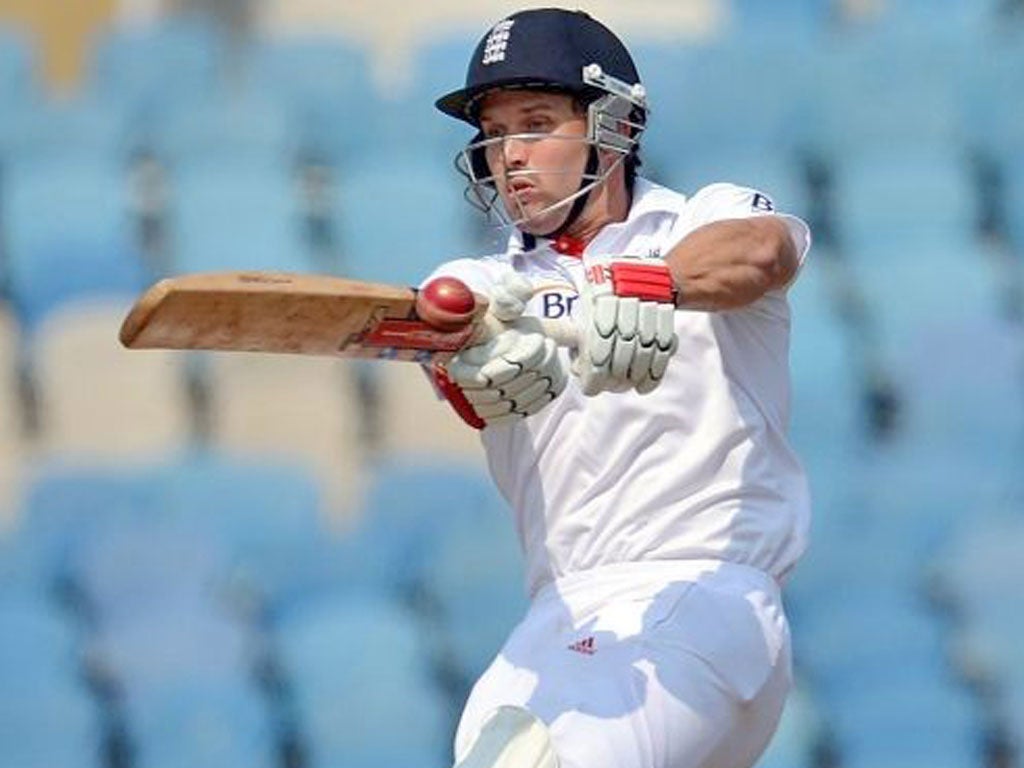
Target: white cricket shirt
[{"x": 699, "y": 468}]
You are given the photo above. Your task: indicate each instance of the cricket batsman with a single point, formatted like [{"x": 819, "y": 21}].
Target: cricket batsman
[{"x": 658, "y": 502}]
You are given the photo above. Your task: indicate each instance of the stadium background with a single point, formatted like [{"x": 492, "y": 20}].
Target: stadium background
[{"x": 228, "y": 561}]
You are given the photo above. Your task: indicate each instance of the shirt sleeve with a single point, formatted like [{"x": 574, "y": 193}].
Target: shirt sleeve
[{"x": 718, "y": 202}]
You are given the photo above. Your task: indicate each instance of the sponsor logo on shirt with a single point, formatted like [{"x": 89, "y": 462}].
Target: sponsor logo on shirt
[
  {"x": 555, "y": 304},
  {"x": 762, "y": 203},
  {"x": 585, "y": 646}
]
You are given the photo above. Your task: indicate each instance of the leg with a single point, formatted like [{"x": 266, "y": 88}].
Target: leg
[
  {"x": 682, "y": 676},
  {"x": 511, "y": 738}
]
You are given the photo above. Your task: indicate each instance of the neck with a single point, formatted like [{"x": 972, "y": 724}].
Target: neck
[{"x": 609, "y": 203}]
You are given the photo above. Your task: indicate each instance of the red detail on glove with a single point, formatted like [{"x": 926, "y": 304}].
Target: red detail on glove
[
  {"x": 648, "y": 282},
  {"x": 453, "y": 394},
  {"x": 595, "y": 274}
]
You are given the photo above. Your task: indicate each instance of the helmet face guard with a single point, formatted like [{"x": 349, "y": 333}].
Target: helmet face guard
[{"x": 615, "y": 121}]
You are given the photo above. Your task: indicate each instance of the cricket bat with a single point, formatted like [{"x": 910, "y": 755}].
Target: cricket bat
[{"x": 301, "y": 314}]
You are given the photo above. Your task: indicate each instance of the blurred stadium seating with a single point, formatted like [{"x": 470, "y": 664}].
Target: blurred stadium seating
[
  {"x": 153, "y": 71},
  {"x": 17, "y": 65},
  {"x": 333, "y": 118},
  {"x": 210, "y": 561}
]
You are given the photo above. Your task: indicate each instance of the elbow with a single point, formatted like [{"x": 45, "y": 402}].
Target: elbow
[{"x": 774, "y": 254}]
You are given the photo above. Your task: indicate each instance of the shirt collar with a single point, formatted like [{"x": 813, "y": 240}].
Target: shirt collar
[{"x": 648, "y": 198}]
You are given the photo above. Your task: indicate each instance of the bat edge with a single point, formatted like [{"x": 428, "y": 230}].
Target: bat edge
[{"x": 137, "y": 319}]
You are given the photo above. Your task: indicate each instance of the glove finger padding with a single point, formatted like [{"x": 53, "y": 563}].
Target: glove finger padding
[
  {"x": 497, "y": 361},
  {"x": 626, "y": 340},
  {"x": 509, "y": 298},
  {"x": 665, "y": 342},
  {"x": 510, "y": 377},
  {"x": 627, "y": 320}
]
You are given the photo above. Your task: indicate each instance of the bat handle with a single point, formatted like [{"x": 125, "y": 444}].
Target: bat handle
[{"x": 562, "y": 331}]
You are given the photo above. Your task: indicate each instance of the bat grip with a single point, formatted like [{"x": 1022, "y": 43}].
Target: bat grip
[{"x": 562, "y": 331}]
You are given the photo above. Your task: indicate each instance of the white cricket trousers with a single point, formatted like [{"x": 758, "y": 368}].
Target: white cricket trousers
[{"x": 669, "y": 664}]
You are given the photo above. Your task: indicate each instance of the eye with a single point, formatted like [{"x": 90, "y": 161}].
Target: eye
[
  {"x": 493, "y": 132},
  {"x": 538, "y": 125}
]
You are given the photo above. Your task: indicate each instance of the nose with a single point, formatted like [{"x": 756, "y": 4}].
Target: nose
[{"x": 513, "y": 152}]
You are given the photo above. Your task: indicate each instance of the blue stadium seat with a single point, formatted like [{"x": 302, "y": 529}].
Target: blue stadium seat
[
  {"x": 17, "y": 67},
  {"x": 223, "y": 131},
  {"x": 993, "y": 115},
  {"x": 39, "y": 648},
  {"x": 925, "y": 489},
  {"x": 72, "y": 130},
  {"x": 981, "y": 561},
  {"x": 830, "y": 568},
  {"x": 409, "y": 509},
  {"x": 990, "y": 644},
  {"x": 156, "y": 69},
  {"x": 810, "y": 19},
  {"x": 408, "y": 119},
  {"x": 202, "y": 726},
  {"x": 924, "y": 724},
  {"x": 266, "y": 517},
  {"x": 920, "y": 199},
  {"x": 68, "y": 235},
  {"x": 980, "y": 569},
  {"x": 399, "y": 217},
  {"x": 440, "y": 64},
  {"x": 53, "y": 728},
  {"x": 145, "y": 565},
  {"x": 842, "y": 660},
  {"x": 328, "y": 84},
  {"x": 358, "y": 667},
  {"x": 46, "y": 717},
  {"x": 251, "y": 530},
  {"x": 165, "y": 646},
  {"x": 826, "y": 417},
  {"x": 878, "y": 664},
  {"x": 779, "y": 176},
  {"x": 799, "y": 733},
  {"x": 236, "y": 216},
  {"x": 711, "y": 99},
  {"x": 1013, "y": 203},
  {"x": 64, "y": 504},
  {"x": 882, "y": 91},
  {"x": 908, "y": 289},
  {"x": 477, "y": 581},
  {"x": 878, "y": 499},
  {"x": 985, "y": 427},
  {"x": 938, "y": 21}
]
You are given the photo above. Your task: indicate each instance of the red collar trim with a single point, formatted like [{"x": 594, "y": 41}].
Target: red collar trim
[{"x": 569, "y": 246}]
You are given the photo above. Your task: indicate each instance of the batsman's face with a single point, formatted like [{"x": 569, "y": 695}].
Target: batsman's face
[{"x": 540, "y": 157}]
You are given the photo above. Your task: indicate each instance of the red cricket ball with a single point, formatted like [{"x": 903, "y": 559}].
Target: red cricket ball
[{"x": 445, "y": 303}]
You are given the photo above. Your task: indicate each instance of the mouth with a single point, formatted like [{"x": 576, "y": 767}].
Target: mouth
[{"x": 520, "y": 189}]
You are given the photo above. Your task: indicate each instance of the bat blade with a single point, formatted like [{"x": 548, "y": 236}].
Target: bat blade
[{"x": 287, "y": 313}]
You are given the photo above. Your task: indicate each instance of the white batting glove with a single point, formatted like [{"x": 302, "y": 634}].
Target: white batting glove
[
  {"x": 516, "y": 373},
  {"x": 627, "y": 325}
]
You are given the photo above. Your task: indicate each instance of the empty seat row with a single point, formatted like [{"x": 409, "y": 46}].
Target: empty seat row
[{"x": 183, "y": 584}]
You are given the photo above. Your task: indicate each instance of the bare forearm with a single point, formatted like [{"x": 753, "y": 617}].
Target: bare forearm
[{"x": 732, "y": 263}]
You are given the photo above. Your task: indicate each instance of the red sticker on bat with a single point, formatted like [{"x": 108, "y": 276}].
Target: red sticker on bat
[{"x": 415, "y": 334}]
